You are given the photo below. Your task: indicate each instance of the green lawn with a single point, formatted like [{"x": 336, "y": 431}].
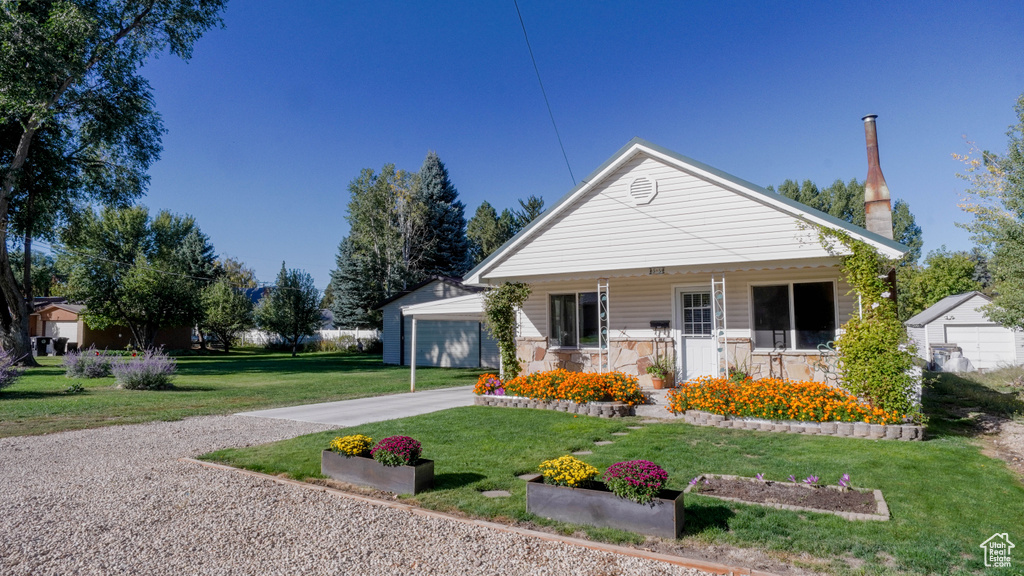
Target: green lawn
[
  {"x": 214, "y": 384},
  {"x": 944, "y": 495}
]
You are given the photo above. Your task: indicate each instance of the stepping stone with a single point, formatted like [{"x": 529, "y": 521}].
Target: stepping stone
[
  {"x": 620, "y": 433},
  {"x": 635, "y": 427},
  {"x": 583, "y": 453},
  {"x": 528, "y": 477},
  {"x": 496, "y": 493},
  {"x": 603, "y": 443}
]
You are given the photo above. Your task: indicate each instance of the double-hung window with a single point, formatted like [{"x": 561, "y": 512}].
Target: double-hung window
[
  {"x": 800, "y": 315},
  {"x": 574, "y": 320}
]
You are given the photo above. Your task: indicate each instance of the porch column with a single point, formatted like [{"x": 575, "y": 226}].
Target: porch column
[{"x": 412, "y": 358}]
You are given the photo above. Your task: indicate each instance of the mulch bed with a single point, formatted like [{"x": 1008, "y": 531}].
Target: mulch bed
[{"x": 769, "y": 492}]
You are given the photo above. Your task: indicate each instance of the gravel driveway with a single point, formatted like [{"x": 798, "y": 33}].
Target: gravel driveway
[{"x": 115, "y": 500}]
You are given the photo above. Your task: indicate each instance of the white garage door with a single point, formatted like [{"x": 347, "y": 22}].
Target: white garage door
[
  {"x": 985, "y": 345},
  {"x": 67, "y": 330}
]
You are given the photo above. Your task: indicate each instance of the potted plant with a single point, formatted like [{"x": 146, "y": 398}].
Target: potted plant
[
  {"x": 662, "y": 373},
  {"x": 393, "y": 464},
  {"x": 632, "y": 497}
]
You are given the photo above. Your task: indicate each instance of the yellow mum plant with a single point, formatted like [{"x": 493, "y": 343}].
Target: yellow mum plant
[
  {"x": 567, "y": 471},
  {"x": 354, "y": 445}
]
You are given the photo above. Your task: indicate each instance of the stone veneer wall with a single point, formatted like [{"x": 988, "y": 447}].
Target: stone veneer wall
[
  {"x": 633, "y": 356},
  {"x": 629, "y": 356},
  {"x": 789, "y": 364}
]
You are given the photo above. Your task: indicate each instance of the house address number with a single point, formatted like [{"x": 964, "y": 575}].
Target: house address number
[{"x": 657, "y": 271}]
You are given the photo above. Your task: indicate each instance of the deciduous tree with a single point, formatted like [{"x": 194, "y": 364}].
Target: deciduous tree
[
  {"x": 944, "y": 273},
  {"x": 70, "y": 95},
  {"x": 228, "y": 312},
  {"x": 995, "y": 200},
  {"x": 291, "y": 309}
]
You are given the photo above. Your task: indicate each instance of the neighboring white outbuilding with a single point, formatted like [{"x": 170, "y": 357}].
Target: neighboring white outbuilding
[
  {"x": 958, "y": 322},
  {"x": 449, "y": 327}
]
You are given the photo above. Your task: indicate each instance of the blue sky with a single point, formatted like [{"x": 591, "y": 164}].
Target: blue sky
[{"x": 279, "y": 111}]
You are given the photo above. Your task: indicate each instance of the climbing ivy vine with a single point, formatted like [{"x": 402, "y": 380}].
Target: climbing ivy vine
[
  {"x": 501, "y": 305},
  {"x": 875, "y": 354}
]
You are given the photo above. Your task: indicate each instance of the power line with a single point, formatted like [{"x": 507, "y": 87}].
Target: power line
[{"x": 544, "y": 92}]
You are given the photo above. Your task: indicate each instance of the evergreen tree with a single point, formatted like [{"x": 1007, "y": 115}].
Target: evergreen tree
[
  {"x": 445, "y": 249},
  {"x": 528, "y": 211},
  {"x": 846, "y": 202},
  {"x": 349, "y": 305},
  {"x": 486, "y": 231},
  {"x": 291, "y": 309}
]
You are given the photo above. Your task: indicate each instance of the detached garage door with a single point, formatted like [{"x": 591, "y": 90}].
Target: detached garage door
[
  {"x": 985, "y": 345},
  {"x": 67, "y": 330},
  {"x": 445, "y": 343}
]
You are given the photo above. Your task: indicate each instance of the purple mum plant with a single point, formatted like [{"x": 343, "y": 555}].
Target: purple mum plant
[
  {"x": 636, "y": 480},
  {"x": 397, "y": 451}
]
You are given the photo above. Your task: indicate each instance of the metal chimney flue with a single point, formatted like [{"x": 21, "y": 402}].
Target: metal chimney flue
[{"x": 877, "y": 204}]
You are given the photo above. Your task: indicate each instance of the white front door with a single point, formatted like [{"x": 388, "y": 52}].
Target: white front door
[{"x": 694, "y": 324}]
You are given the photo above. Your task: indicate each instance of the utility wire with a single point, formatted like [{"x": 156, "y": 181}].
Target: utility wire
[{"x": 544, "y": 92}]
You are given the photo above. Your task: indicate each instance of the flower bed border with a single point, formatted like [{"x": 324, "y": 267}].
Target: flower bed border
[
  {"x": 363, "y": 471},
  {"x": 600, "y": 409},
  {"x": 906, "y": 432},
  {"x": 881, "y": 508},
  {"x": 663, "y": 517}
]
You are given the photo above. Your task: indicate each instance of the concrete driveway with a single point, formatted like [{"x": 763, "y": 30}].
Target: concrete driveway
[{"x": 362, "y": 410}]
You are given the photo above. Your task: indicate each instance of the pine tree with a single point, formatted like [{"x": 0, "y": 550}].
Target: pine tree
[
  {"x": 445, "y": 249},
  {"x": 486, "y": 231},
  {"x": 349, "y": 305}
]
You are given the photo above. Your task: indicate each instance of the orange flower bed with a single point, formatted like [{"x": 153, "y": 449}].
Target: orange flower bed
[
  {"x": 579, "y": 387},
  {"x": 776, "y": 399}
]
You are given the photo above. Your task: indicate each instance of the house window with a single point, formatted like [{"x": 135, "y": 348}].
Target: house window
[
  {"x": 696, "y": 314},
  {"x": 800, "y": 315},
  {"x": 574, "y": 320}
]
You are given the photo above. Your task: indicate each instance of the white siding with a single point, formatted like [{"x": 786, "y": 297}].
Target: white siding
[
  {"x": 917, "y": 336},
  {"x": 966, "y": 313},
  {"x": 392, "y": 336},
  {"x": 691, "y": 222},
  {"x": 444, "y": 343},
  {"x": 635, "y": 301}
]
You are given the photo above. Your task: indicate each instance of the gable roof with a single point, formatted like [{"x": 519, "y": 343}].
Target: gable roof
[
  {"x": 685, "y": 164},
  {"x": 73, "y": 308},
  {"x": 456, "y": 282},
  {"x": 936, "y": 310}
]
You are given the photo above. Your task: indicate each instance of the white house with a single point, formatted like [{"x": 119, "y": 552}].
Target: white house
[
  {"x": 449, "y": 328},
  {"x": 958, "y": 322},
  {"x": 655, "y": 253}
]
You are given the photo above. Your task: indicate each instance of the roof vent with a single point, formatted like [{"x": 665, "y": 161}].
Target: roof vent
[{"x": 642, "y": 190}]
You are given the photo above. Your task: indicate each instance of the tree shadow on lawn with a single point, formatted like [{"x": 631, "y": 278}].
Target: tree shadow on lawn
[
  {"x": 701, "y": 517},
  {"x": 959, "y": 406}
]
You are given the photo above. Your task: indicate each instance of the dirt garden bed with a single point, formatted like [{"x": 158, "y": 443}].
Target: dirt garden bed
[{"x": 852, "y": 504}]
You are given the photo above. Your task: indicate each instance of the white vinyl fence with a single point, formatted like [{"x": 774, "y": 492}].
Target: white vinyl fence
[{"x": 261, "y": 338}]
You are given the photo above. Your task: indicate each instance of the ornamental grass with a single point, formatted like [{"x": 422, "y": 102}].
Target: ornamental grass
[
  {"x": 579, "y": 387},
  {"x": 776, "y": 399}
]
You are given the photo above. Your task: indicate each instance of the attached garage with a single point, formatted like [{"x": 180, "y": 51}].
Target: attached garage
[{"x": 957, "y": 322}]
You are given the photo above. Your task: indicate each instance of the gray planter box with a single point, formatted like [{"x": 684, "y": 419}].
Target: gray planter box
[
  {"x": 663, "y": 517},
  {"x": 368, "y": 472}
]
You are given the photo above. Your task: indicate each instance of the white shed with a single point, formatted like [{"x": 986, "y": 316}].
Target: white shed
[
  {"x": 958, "y": 322},
  {"x": 446, "y": 337}
]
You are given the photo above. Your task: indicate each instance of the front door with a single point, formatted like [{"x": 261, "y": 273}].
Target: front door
[{"x": 696, "y": 354}]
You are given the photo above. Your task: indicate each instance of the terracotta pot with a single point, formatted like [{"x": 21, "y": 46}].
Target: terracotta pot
[{"x": 658, "y": 383}]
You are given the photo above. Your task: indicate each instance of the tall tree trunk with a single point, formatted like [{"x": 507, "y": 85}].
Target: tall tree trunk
[{"x": 15, "y": 334}]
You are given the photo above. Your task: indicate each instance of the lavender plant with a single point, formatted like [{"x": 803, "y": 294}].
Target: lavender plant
[
  {"x": 8, "y": 371},
  {"x": 151, "y": 370},
  {"x": 87, "y": 363},
  {"x": 636, "y": 480}
]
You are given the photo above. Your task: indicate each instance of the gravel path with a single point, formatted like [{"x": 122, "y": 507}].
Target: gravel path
[{"x": 115, "y": 500}]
